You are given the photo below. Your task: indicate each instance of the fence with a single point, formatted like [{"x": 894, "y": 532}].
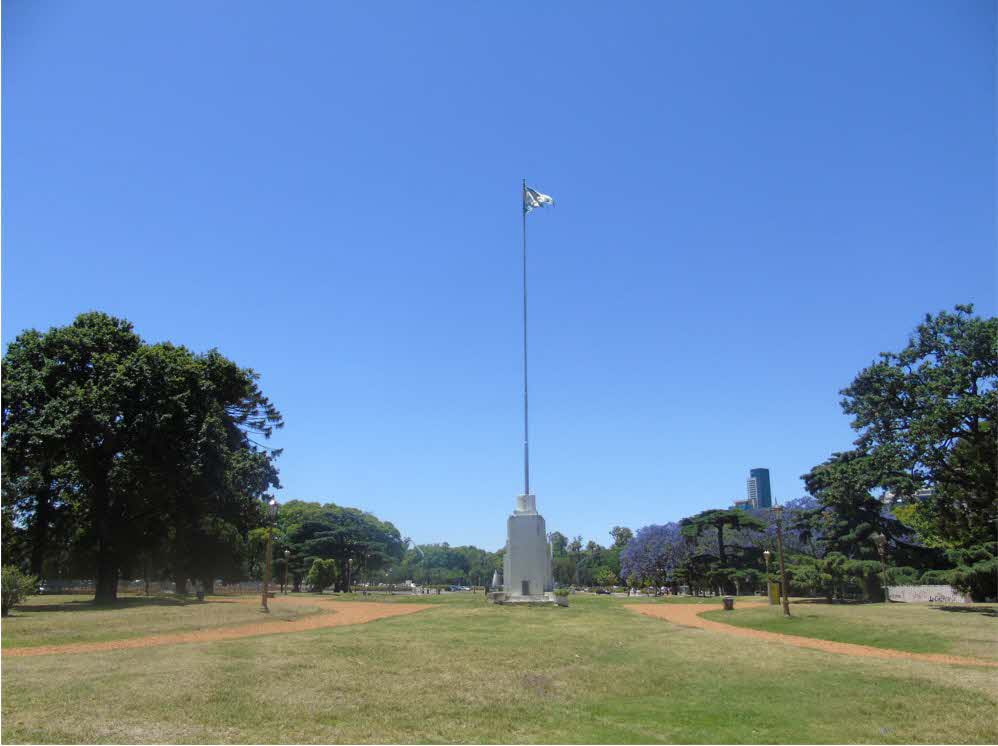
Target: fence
[{"x": 945, "y": 594}]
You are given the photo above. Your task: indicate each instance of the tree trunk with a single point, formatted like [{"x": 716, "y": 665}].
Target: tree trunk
[
  {"x": 106, "y": 591},
  {"x": 180, "y": 584},
  {"x": 39, "y": 543}
]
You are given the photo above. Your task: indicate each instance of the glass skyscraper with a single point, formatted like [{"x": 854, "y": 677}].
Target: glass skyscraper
[{"x": 759, "y": 493}]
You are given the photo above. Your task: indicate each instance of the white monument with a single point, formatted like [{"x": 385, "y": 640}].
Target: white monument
[{"x": 527, "y": 563}]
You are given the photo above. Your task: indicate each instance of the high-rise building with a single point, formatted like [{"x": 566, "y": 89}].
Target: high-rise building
[{"x": 759, "y": 493}]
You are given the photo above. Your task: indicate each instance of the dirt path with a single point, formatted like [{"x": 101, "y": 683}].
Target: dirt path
[
  {"x": 688, "y": 615},
  {"x": 333, "y": 614}
]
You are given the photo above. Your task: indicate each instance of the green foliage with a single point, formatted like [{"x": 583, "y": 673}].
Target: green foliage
[
  {"x": 930, "y": 411},
  {"x": 921, "y": 516},
  {"x": 321, "y": 575},
  {"x": 445, "y": 565},
  {"x": 360, "y": 544},
  {"x": 718, "y": 520},
  {"x": 903, "y": 576},
  {"x": 851, "y": 514},
  {"x": 114, "y": 447},
  {"x": 621, "y": 535},
  {"x": 15, "y": 586},
  {"x": 605, "y": 577},
  {"x": 926, "y": 417},
  {"x": 936, "y": 577},
  {"x": 976, "y": 571},
  {"x": 559, "y": 544}
]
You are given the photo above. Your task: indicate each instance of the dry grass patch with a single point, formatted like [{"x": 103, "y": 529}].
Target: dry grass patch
[{"x": 467, "y": 672}]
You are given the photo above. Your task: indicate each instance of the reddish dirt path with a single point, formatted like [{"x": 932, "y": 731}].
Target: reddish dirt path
[
  {"x": 333, "y": 614},
  {"x": 688, "y": 615}
]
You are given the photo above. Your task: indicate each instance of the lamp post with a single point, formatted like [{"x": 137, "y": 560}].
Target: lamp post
[
  {"x": 881, "y": 541},
  {"x": 350, "y": 575},
  {"x": 271, "y": 516},
  {"x": 778, "y": 514},
  {"x": 690, "y": 545},
  {"x": 769, "y": 582},
  {"x": 287, "y": 560},
  {"x": 367, "y": 576}
]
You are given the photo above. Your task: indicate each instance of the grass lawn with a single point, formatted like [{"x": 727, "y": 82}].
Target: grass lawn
[
  {"x": 467, "y": 671},
  {"x": 970, "y": 630},
  {"x": 707, "y": 600},
  {"x": 56, "y": 620}
]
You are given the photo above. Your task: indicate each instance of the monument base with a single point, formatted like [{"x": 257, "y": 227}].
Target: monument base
[
  {"x": 527, "y": 564},
  {"x": 543, "y": 599}
]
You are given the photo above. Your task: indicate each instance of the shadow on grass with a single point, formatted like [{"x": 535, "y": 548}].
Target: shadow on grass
[
  {"x": 122, "y": 603},
  {"x": 985, "y": 610}
]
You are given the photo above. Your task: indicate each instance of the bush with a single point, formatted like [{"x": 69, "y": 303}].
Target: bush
[
  {"x": 902, "y": 576},
  {"x": 561, "y": 592},
  {"x": 321, "y": 575},
  {"x": 977, "y": 571},
  {"x": 14, "y": 587},
  {"x": 936, "y": 577}
]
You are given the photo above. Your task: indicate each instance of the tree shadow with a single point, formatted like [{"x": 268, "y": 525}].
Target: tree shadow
[
  {"x": 136, "y": 602},
  {"x": 990, "y": 611}
]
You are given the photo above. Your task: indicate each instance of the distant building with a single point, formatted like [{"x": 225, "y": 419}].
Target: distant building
[
  {"x": 747, "y": 504},
  {"x": 759, "y": 493},
  {"x": 889, "y": 498}
]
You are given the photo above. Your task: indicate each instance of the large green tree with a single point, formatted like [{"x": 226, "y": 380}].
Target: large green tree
[
  {"x": 931, "y": 410},
  {"x": 718, "y": 521},
  {"x": 129, "y": 445},
  {"x": 361, "y": 545},
  {"x": 621, "y": 535},
  {"x": 850, "y": 515}
]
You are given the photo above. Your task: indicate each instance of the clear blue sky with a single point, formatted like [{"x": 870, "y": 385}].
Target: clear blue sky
[{"x": 754, "y": 199}]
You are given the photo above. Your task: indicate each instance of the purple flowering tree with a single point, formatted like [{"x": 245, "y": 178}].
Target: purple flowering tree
[{"x": 653, "y": 555}]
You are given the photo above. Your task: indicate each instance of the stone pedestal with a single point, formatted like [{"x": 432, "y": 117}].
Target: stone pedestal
[{"x": 527, "y": 564}]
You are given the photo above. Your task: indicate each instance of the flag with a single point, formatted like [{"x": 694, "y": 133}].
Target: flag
[{"x": 533, "y": 198}]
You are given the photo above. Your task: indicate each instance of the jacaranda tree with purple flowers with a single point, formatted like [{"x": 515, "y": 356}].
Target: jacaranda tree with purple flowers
[{"x": 653, "y": 555}]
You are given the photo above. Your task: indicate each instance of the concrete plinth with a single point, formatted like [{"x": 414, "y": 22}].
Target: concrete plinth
[
  {"x": 544, "y": 599},
  {"x": 527, "y": 563}
]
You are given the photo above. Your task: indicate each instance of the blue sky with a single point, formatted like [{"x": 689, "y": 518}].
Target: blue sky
[{"x": 754, "y": 199}]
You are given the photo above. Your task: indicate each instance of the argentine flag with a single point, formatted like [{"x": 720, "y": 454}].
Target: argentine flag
[{"x": 532, "y": 198}]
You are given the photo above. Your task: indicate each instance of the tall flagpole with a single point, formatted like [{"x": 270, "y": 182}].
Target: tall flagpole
[{"x": 526, "y": 438}]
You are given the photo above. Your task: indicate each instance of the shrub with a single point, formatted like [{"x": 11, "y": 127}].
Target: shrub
[
  {"x": 321, "y": 575},
  {"x": 936, "y": 577},
  {"x": 902, "y": 576},
  {"x": 14, "y": 587},
  {"x": 561, "y": 592},
  {"x": 977, "y": 570}
]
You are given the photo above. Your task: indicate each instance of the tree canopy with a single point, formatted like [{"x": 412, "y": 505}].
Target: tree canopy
[{"x": 118, "y": 446}]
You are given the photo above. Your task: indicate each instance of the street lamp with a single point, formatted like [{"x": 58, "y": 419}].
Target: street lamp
[
  {"x": 769, "y": 582},
  {"x": 287, "y": 560},
  {"x": 881, "y": 541},
  {"x": 271, "y": 517},
  {"x": 350, "y": 575},
  {"x": 690, "y": 544},
  {"x": 778, "y": 514}
]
